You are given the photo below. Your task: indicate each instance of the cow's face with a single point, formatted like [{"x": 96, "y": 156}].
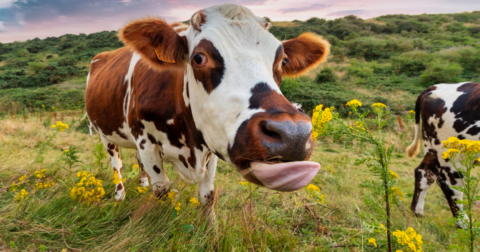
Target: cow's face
[{"x": 233, "y": 69}]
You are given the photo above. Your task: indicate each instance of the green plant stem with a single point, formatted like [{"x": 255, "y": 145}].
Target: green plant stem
[{"x": 387, "y": 200}]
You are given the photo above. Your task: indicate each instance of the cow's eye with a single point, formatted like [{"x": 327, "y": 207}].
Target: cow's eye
[
  {"x": 200, "y": 59},
  {"x": 284, "y": 61}
]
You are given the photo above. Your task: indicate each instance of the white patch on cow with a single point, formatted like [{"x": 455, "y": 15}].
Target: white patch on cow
[
  {"x": 170, "y": 121},
  {"x": 128, "y": 79},
  {"x": 182, "y": 140},
  {"x": 186, "y": 99},
  {"x": 248, "y": 51},
  {"x": 93, "y": 61},
  {"x": 88, "y": 77}
]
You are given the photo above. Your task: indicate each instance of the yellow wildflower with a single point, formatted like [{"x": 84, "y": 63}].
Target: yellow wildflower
[
  {"x": 194, "y": 202},
  {"x": 450, "y": 153},
  {"x": 40, "y": 174},
  {"x": 117, "y": 179},
  {"x": 142, "y": 190},
  {"x": 43, "y": 106},
  {"x": 319, "y": 120},
  {"x": 379, "y": 105},
  {"x": 372, "y": 241},
  {"x": 243, "y": 183},
  {"x": 314, "y": 193},
  {"x": 22, "y": 178},
  {"x": 135, "y": 167},
  {"x": 354, "y": 103},
  {"x": 21, "y": 195},
  {"x": 411, "y": 112},
  {"x": 398, "y": 192},
  {"x": 88, "y": 189},
  {"x": 60, "y": 126},
  {"x": 177, "y": 206},
  {"x": 395, "y": 175}
]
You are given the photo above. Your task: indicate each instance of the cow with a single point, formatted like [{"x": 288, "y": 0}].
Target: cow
[
  {"x": 191, "y": 94},
  {"x": 446, "y": 110}
]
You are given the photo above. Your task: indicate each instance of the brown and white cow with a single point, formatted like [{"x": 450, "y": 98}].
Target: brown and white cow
[
  {"x": 446, "y": 110},
  {"x": 182, "y": 93}
]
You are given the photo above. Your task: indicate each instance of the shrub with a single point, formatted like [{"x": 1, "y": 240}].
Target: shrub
[
  {"x": 467, "y": 56},
  {"x": 326, "y": 75},
  {"x": 441, "y": 72},
  {"x": 411, "y": 63},
  {"x": 21, "y": 53},
  {"x": 36, "y": 67},
  {"x": 360, "y": 70}
]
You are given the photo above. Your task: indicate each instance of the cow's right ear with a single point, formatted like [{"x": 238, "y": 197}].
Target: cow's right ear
[{"x": 156, "y": 41}]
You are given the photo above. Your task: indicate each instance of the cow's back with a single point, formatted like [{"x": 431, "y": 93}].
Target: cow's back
[{"x": 106, "y": 89}]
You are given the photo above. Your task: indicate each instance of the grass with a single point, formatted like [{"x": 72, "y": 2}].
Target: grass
[{"x": 247, "y": 218}]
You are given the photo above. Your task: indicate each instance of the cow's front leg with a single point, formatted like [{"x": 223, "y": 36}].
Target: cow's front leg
[
  {"x": 206, "y": 189},
  {"x": 151, "y": 158},
  {"x": 114, "y": 153},
  {"x": 143, "y": 174}
]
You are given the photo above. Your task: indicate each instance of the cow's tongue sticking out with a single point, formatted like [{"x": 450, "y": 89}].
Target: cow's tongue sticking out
[{"x": 285, "y": 176}]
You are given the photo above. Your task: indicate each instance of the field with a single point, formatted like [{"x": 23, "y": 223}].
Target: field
[
  {"x": 247, "y": 218},
  {"x": 388, "y": 59}
]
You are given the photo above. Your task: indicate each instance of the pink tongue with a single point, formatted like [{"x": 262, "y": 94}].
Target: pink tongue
[{"x": 285, "y": 176}]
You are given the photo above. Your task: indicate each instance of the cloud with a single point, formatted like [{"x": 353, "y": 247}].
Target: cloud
[
  {"x": 312, "y": 7},
  {"x": 345, "y": 13}
]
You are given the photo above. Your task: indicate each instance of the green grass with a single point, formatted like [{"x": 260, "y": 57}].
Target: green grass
[{"x": 271, "y": 221}]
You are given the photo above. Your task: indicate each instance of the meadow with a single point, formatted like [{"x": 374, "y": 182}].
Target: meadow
[{"x": 389, "y": 59}]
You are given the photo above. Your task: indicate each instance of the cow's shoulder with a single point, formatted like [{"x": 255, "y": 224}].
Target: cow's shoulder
[{"x": 116, "y": 59}]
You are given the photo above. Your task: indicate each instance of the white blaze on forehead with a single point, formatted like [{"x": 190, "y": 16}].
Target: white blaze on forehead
[{"x": 248, "y": 52}]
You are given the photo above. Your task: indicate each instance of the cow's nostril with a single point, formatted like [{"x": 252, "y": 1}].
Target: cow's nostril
[{"x": 270, "y": 132}]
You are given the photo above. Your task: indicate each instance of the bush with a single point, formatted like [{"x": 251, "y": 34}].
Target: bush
[
  {"x": 466, "y": 56},
  {"x": 326, "y": 75},
  {"x": 21, "y": 53},
  {"x": 411, "y": 63},
  {"x": 441, "y": 72},
  {"x": 36, "y": 67},
  {"x": 360, "y": 70}
]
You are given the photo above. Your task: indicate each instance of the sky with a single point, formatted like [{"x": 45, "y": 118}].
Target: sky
[{"x": 27, "y": 19}]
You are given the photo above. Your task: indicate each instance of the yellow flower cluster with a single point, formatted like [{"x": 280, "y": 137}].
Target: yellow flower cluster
[
  {"x": 360, "y": 126},
  {"x": 89, "y": 189},
  {"x": 314, "y": 193},
  {"x": 60, "y": 126},
  {"x": 398, "y": 192},
  {"x": 373, "y": 241},
  {"x": 319, "y": 119},
  {"x": 21, "y": 195},
  {"x": 21, "y": 180},
  {"x": 354, "y": 103},
  {"x": 117, "y": 179},
  {"x": 177, "y": 206},
  {"x": 136, "y": 167},
  {"x": 243, "y": 183},
  {"x": 44, "y": 185},
  {"x": 456, "y": 146},
  {"x": 377, "y": 107},
  {"x": 40, "y": 174},
  {"x": 393, "y": 174},
  {"x": 409, "y": 238},
  {"x": 142, "y": 190},
  {"x": 194, "y": 202}
]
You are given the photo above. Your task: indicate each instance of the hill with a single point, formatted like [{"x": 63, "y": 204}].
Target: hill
[{"x": 388, "y": 59}]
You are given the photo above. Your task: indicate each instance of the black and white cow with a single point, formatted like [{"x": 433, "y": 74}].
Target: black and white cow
[{"x": 446, "y": 110}]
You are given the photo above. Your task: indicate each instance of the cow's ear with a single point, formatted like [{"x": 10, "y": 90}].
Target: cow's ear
[
  {"x": 156, "y": 41},
  {"x": 304, "y": 53}
]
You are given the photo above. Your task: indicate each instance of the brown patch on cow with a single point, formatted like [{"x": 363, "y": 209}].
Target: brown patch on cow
[
  {"x": 110, "y": 152},
  {"x": 197, "y": 20},
  {"x": 467, "y": 109},
  {"x": 119, "y": 187},
  {"x": 152, "y": 36},
  {"x": 192, "y": 160},
  {"x": 211, "y": 74},
  {"x": 151, "y": 138},
  {"x": 431, "y": 107},
  {"x": 116, "y": 148},
  {"x": 277, "y": 65},
  {"x": 142, "y": 143},
  {"x": 183, "y": 160},
  {"x": 304, "y": 53},
  {"x": 110, "y": 146},
  {"x": 105, "y": 93}
]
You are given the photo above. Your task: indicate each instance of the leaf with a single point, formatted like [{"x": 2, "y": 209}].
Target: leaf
[{"x": 187, "y": 228}]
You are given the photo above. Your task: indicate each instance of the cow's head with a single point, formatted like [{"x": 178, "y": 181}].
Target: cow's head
[{"x": 233, "y": 68}]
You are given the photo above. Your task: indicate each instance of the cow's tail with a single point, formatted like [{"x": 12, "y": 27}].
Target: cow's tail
[{"x": 414, "y": 148}]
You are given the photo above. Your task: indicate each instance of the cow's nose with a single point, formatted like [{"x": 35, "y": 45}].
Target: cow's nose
[{"x": 286, "y": 140}]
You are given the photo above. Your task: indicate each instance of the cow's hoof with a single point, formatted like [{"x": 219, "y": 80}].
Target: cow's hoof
[
  {"x": 119, "y": 195},
  {"x": 161, "y": 191},
  {"x": 143, "y": 181},
  {"x": 419, "y": 215}
]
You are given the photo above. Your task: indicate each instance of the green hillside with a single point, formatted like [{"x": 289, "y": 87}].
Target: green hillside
[{"x": 370, "y": 59}]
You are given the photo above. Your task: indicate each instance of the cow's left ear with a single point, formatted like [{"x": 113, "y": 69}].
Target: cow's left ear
[
  {"x": 156, "y": 41},
  {"x": 304, "y": 53}
]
